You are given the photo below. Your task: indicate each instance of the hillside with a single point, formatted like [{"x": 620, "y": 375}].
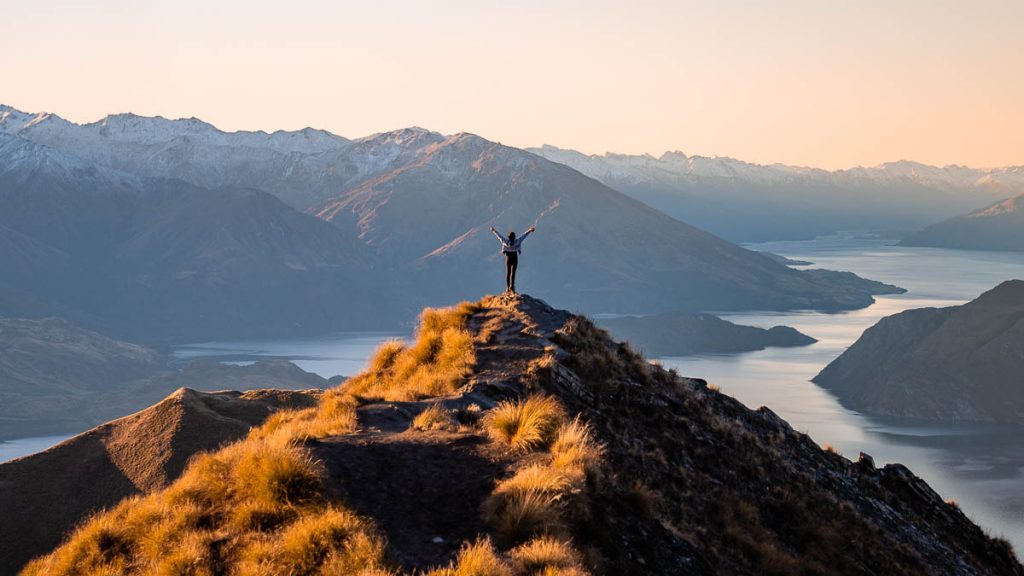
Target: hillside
[
  {"x": 996, "y": 227},
  {"x": 411, "y": 210},
  {"x": 682, "y": 334},
  {"x": 162, "y": 260},
  {"x": 59, "y": 378},
  {"x": 595, "y": 248},
  {"x": 961, "y": 363},
  {"x": 747, "y": 202},
  {"x": 512, "y": 438},
  {"x": 45, "y": 495}
]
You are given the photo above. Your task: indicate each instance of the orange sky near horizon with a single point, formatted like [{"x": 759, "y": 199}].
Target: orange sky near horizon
[{"x": 825, "y": 83}]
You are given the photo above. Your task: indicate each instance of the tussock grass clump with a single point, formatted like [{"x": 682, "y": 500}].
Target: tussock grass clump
[
  {"x": 548, "y": 556},
  {"x": 435, "y": 364},
  {"x": 476, "y": 559},
  {"x": 435, "y": 417},
  {"x": 526, "y": 424},
  {"x": 574, "y": 450},
  {"x": 332, "y": 537},
  {"x": 518, "y": 516},
  {"x": 273, "y": 474},
  {"x": 535, "y": 478},
  {"x": 256, "y": 505},
  {"x": 335, "y": 415}
]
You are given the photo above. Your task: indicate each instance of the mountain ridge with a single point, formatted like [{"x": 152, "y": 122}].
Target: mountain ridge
[{"x": 425, "y": 458}]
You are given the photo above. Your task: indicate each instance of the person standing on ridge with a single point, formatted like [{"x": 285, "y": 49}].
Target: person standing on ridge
[{"x": 511, "y": 247}]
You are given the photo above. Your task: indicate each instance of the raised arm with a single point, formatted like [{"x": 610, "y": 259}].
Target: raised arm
[
  {"x": 528, "y": 232},
  {"x": 496, "y": 235}
]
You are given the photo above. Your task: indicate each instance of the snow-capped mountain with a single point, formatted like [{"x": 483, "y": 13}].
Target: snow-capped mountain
[
  {"x": 748, "y": 202},
  {"x": 407, "y": 210},
  {"x": 677, "y": 165},
  {"x": 738, "y": 200}
]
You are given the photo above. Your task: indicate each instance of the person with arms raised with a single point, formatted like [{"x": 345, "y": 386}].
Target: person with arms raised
[{"x": 511, "y": 247}]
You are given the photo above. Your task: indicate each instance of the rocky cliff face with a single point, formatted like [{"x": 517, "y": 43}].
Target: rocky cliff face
[
  {"x": 961, "y": 363},
  {"x": 512, "y": 438},
  {"x": 45, "y": 495}
]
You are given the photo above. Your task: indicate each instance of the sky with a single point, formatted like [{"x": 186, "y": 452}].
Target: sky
[{"x": 825, "y": 83}]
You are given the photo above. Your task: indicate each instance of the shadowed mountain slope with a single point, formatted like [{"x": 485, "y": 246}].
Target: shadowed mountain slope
[
  {"x": 513, "y": 439},
  {"x": 163, "y": 260},
  {"x": 996, "y": 227},
  {"x": 422, "y": 204},
  {"x": 746, "y": 202},
  {"x": 961, "y": 363},
  {"x": 596, "y": 249},
  {"x": 46, "y": 494}
]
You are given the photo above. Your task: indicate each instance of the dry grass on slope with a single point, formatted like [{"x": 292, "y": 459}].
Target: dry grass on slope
[
  {"x": 436, "y": 364},
  {"x": 526, "y": 424},
  {"x": 255, "y": 507},
  {"x": 258, "y": 506}
]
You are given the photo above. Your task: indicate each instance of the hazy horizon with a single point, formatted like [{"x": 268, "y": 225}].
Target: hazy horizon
[
  {"x": 793, "y": 82},
  {"x": 655, "y": 154}
]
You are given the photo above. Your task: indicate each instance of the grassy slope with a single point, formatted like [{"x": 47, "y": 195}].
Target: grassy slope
[{"x": 609, "y": 463}]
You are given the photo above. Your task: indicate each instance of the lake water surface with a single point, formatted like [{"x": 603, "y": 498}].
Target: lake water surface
[{"x": 981, "y": 467}]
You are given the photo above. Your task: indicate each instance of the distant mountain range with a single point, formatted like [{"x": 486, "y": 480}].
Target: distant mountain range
[
  {"x": 996, "y": 227},
  {"x": 741, "y": 201},
  {"x": 169, "y": 230},
  {"x": 960, "y": 363}
]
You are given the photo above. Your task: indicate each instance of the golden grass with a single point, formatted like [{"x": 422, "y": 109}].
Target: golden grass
[
  {"x": 476, "y": 559},
  {"x": 435, "y": 417},
  {"x": 332, "y": 541},
  {"x": 526, "y": 424},
  {"x": 436, "y": 364},
  {"x": 546, "y": 555},
  {"x": 259, "y": 502},
  {"x": 574, "y": 450},
  {"x": 517, "y": 516},
  {"x": 335, "y": 415},
  {"x": 535, "y": 478}
]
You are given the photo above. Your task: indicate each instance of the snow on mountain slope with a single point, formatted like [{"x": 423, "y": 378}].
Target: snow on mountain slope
[{"x": 645, "y": 167}]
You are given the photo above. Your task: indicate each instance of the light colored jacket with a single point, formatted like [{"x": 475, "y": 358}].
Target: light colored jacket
[{"x": 515, "y": 245}]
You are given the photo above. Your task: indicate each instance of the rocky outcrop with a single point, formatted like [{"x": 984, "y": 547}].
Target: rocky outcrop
[
  {"x": 46, "y": 494},
  {"x": 961, "y": 363},
  {"x": 681, "y": 334}
]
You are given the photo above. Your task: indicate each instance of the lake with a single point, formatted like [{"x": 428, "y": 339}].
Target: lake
[{"x": 981, "y": 467}]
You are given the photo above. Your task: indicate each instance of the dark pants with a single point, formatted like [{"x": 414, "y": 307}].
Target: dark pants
[{"x": 511, "y": 263}]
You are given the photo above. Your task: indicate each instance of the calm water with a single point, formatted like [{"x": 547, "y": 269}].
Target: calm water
[
  {"x": 981, "y": 467},
  {"x": 343, "y": 354},
  {"x": 339, "y": 354},
  {"x": 11, "y": 449}
]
